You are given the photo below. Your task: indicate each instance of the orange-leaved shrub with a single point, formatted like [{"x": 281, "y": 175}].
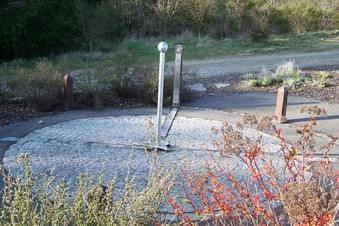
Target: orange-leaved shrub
[{"x": 294, "y": 185}]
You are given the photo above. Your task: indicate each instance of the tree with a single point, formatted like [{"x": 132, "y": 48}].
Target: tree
[{"x": 95, "y": 19}]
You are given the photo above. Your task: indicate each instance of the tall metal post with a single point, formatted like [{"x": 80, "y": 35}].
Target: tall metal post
[{"x": 162, "y": 47}]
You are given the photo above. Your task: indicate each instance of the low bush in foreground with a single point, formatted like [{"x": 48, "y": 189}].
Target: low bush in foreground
[
  {"x": 38, "y": 200},
  {"x": 304, "y": 190}
]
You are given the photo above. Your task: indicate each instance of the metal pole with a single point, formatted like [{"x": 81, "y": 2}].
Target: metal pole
[{"x": 162, "y": 47}]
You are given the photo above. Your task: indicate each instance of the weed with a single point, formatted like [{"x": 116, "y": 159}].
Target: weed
[
  {"x": 278, "y": 79},
  {"x": 285, "y": 69},
  {"x": 319, "y": 79},
  {"x": 253, "y": 82},
  {"x": 285, "y": 73},
  {"x": 288, "y": 74},
  {"x": 267, "y": 81}
]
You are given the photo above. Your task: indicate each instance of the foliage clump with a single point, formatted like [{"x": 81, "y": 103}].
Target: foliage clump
[
  {"x": 303, "y": 190},
  {"x": 57, "y": 26},
  {"x": 28, "y": 199},
  {"x": 123, "y": 78},
  {"x": 286, "y": 74},
  {"x": 39, "y": 88}
]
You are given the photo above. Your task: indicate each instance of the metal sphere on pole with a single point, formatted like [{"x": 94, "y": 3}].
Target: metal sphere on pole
[{"x": 162, "y": 47}]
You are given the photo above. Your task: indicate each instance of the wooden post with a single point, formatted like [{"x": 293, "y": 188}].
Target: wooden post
[
  {"x": 68, "y": 89},
  {"x": 280, "y": 111},
  {"x": 177, "y": 76}
]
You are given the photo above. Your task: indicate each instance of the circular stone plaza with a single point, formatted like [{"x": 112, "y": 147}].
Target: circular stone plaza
[{"x": 115, "y": 142}]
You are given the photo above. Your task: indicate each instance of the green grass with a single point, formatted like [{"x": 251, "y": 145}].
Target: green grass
[{"x": 145, "y": 50}]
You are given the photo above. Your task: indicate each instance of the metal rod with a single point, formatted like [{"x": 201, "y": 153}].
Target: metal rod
[{"x": 162, "y": 47}]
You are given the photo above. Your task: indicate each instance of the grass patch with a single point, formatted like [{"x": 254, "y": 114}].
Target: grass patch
[{"x": 145, "y": 50}]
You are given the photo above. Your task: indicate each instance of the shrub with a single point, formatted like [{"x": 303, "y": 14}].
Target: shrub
[
  {"x": 89, "y": 90},
  {"x": 303, "y": 191},
  {"x": 125, "y": 79},
  {"x": 147, "y": 86},
  {"x": 39, "y": 88},
  {"x": 99, "y": 86},
  {"x": 122, "y": 78},
  {"x": 319, "y": 83},
  {"x": 259, "y": 35},
  {"x": 38, "y": 200},
  {"x": 5, "y": 92}
]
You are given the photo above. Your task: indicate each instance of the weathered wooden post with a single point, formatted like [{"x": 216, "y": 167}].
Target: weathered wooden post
[
  {"x": 162, "y": 47},
  {"x": 280, "y": 111},
  {"x": 177, "y": 76},
  {"x": 68, "y": 89}
]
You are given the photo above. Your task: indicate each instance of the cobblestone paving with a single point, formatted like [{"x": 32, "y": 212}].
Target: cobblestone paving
[{"x": 108, "y": 145}]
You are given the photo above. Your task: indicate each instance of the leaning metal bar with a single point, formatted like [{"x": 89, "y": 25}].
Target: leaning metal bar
[{"x": 162, "y": 47}]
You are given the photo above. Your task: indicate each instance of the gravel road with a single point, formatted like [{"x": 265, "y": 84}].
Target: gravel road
[{"x": 255, "y": 63}]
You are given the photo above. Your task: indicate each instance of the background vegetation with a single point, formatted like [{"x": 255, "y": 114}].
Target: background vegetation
[{"x": 38, "y": 27}]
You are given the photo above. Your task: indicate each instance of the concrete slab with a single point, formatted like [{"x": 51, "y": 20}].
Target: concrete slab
[
  {"x": 221, "y": 85},
  {"x": 199, "y": 87}
]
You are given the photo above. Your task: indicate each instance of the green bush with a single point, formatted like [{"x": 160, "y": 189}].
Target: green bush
[
  {"x": 88, "y": 90},
  {"x": 278, "y": 79},
  {"x": 267, "y": 81},
  {"x": 120, "y": 75},
  {"x": 253, "y": 82},
  {"x": 39, "y": 200},
  {"x": 147, "y": 86}
]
